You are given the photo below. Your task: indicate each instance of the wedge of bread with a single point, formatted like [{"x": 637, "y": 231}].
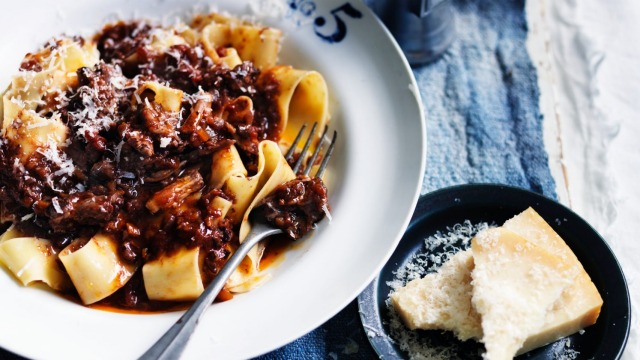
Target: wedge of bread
[
  {"x": 442, "y": 300},
  {"x": 514, "y": 283}
]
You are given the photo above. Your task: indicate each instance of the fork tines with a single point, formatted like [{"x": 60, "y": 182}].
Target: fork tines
[{"x": 314, "y": 156}]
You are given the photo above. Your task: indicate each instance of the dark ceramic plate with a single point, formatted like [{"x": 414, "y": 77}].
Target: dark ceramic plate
[{"x": 495, "y": 204}]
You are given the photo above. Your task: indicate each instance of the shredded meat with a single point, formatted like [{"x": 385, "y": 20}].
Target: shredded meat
[
  {"x": 158, "y": 121},
  {"x": 297, "y": 205},
  {"x": 83, "y": 209},
  {"x": 120, "y": 41},
  {"x": 174, "y": 194}
]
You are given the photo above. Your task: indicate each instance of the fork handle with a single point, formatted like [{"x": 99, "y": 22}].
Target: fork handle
[{"x": 173, "y": 342}]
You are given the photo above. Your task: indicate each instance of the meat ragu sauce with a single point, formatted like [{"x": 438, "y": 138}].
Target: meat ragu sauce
[
  {"x": 296, "y": 206},
  {"x": 139, "y": 159}
]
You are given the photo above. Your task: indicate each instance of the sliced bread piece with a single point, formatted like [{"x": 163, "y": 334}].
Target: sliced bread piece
[
  {"x": 514, "y": 284},
  {"x": 441, "y": 300}
]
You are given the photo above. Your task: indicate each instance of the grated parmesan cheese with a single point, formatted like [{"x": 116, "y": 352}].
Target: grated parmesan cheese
[
  {"x": 138, "y": 99},
  {"x": 18, "y": 168},
  {"x": 561, "y": 350},
  {"x": 164, "y": 142},
  {"x": 56, "y": 205},
  {"x": 90, "y": 111},
  {"x": 200, "y": 95},
  {"x": 27, "y": 217},
  {"x": 59, "y": 158},
  {"x": 119, "y": 150}
]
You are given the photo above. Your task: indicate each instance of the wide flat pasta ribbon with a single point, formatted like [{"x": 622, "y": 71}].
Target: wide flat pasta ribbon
[
  {"x": 302, "y": 98},
  {"x": 96, "y": 268},
  {"x": 174, "y": 277},
  {"x": 163, "y": 39},
  {"x": 169, "y": 98},
  {"x": 32, "y": 259},
  {"x": 11, "y": 233},
  {"x": 228, "y": 170},
  {"x": 273, "y": 170},
  {"x": 34, "y": 131},
  {"x": 259, "y": 45},
  {"x": 178, "y": 276},
  {"x": 28, "y": 89}
]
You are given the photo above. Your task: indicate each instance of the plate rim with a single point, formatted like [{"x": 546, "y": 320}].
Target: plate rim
[{"x": 368, "y": 306}]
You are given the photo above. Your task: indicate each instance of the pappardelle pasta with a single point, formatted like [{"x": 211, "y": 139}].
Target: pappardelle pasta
[{"x": 129, "y": 162}]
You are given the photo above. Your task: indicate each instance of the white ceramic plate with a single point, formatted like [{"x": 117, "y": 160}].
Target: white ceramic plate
[{"x": 377, "y": 170}]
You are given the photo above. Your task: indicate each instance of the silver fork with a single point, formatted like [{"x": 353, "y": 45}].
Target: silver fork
[{"x": 173, "y": 342}]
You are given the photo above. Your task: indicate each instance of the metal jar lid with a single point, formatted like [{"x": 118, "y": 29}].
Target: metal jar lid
[{"x": 423, "y": 28}]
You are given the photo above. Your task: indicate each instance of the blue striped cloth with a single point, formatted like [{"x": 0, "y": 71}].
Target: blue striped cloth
[{"x": 483, "y": 124}]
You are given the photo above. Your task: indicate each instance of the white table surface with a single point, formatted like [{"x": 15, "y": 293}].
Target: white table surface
[{"x": 587, "y": 53}]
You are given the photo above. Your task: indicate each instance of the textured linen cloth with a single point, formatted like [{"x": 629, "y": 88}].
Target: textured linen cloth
[
  {"x": 484, "y": 125},
  {"x": 597, "y": 64}
]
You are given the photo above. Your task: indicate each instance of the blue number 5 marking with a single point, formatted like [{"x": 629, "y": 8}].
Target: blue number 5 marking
[{"x": 341, "y": 28}]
